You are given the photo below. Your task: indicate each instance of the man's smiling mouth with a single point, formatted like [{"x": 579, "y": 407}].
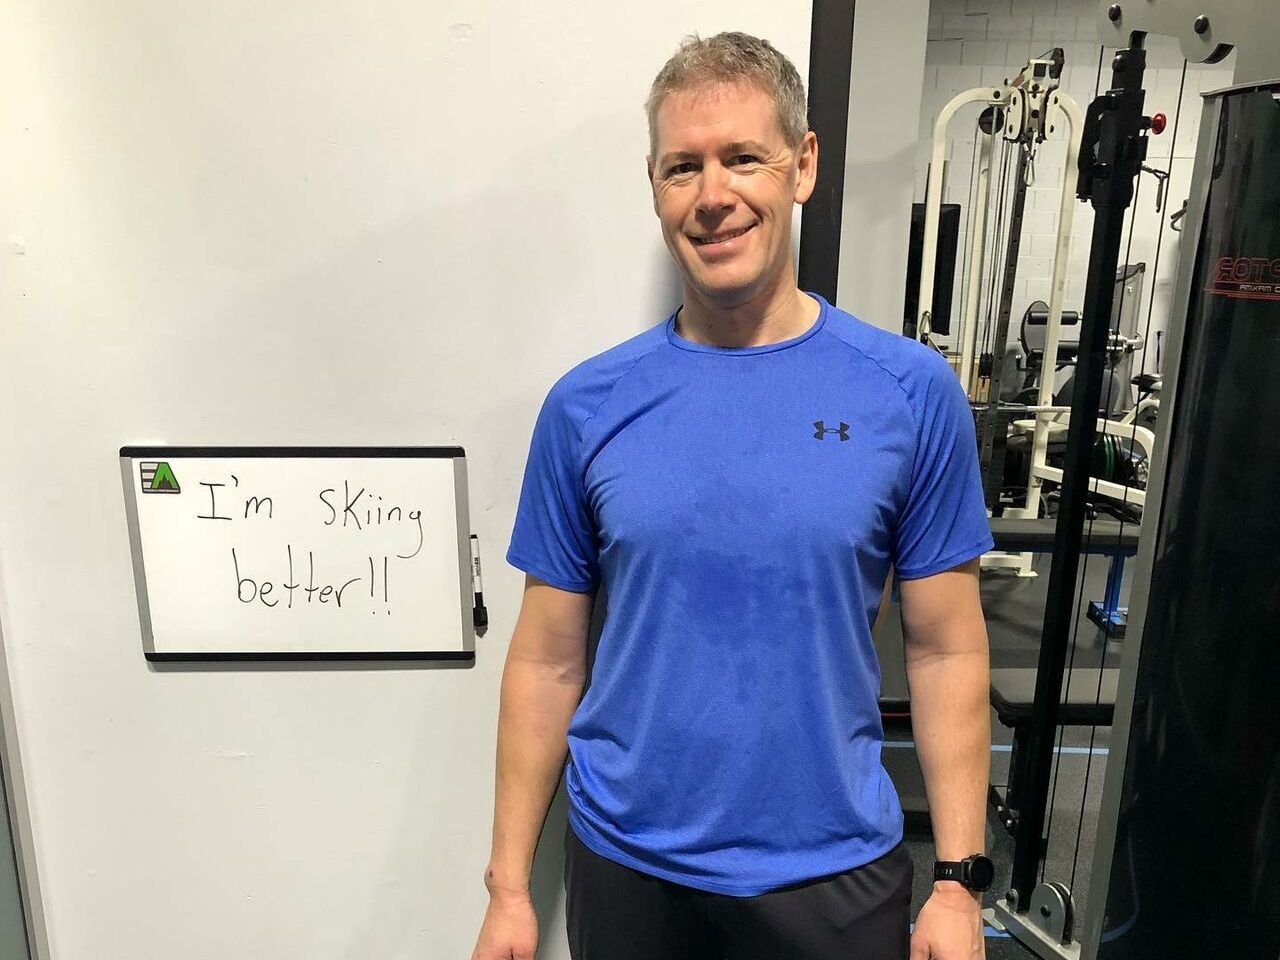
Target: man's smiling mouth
[{"x": 720, "y": 237}]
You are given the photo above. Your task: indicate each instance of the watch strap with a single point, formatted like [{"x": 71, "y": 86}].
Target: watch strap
[{"x": 950, "y": 870}]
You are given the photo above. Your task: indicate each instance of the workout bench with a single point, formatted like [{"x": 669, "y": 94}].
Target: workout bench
[
  {"x": 1090, "y": 702},
  {"x": 1090, "y": 698},
  {"x": 1012, "y": 691}
]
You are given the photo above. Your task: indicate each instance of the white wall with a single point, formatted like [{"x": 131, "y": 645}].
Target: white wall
[
  {"x": 885, "y": 85},
  {"x": 980, "y": 42},
  {"x": 323, "y": 223}
]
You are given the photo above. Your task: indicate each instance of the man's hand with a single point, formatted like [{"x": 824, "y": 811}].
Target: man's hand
[
  {"x": 509, "y": 931},
  {"x": 541, "y": 685},
  {"x": 949, "y": 926}
]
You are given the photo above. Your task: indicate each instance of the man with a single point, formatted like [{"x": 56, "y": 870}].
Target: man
[{"x": 740, "y": 479}]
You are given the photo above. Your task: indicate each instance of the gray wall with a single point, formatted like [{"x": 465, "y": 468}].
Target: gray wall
[
  {"x": 885, "y": 87},
  {"x": 13, "y": 937}
]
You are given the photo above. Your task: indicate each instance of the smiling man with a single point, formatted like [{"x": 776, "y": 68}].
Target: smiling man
[{"x": 740, "y": 479}]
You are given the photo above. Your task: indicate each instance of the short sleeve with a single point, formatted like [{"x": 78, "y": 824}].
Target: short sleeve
[
  {"x": 554, "y": 538},
  {"x": 944, "y": 522}
]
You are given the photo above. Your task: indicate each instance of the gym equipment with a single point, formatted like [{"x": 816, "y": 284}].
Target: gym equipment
[
  {"x": 1114, "y": 147},
  {"x": 1013, "y": 697},
  {"x": 1024, "y": 360},
  {"x": 1122, "y": 343},
  {"x": 1182, "y": 875},
  {"x": 1018, "y": 412},
  {"x": 1024, "y": 112},
  {"x": 1195, "y": 701},
  {"x": 1017, "y": 117},
  {"x": 1011, "y": 689}
]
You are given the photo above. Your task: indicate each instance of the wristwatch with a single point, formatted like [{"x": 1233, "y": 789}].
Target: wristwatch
[{"x": 975, "y": 872}]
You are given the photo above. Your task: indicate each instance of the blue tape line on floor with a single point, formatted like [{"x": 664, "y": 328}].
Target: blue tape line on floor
[
  {"x": 990, "y": 933},
  {"x": 1007, "y": 748}
]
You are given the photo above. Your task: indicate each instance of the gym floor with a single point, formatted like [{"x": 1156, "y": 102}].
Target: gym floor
[{"x": 1014, "y": 608}]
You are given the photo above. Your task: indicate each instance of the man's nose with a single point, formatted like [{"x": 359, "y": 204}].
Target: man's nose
[{"x": 716, "y": 195}]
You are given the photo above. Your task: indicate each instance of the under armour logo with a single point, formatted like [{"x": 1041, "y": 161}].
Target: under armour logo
[{"x": 820, "y": 430}]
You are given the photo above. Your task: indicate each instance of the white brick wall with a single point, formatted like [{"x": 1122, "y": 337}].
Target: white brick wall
[{"x": 982, "y": 42}]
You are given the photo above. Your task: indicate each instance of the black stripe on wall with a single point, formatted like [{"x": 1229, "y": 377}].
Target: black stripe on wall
[{"x": 830, "y": 60}]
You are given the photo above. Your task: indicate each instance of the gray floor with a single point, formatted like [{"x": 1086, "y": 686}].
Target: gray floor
[{"x": 1014, "y": 609}]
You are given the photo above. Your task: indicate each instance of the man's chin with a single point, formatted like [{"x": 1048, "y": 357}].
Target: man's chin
[{"x": 725, "y": 292}]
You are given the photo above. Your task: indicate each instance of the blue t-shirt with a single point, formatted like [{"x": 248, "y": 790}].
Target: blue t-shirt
[{"x": 741, "y": 506}]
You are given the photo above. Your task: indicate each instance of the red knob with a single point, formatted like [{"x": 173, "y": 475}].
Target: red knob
[{"x": 1158, "y": 123}]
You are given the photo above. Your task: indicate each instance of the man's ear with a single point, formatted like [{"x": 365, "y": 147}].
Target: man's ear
[
  {"x": 807, "y": 166},
  {"x": 653, "y": 189}
]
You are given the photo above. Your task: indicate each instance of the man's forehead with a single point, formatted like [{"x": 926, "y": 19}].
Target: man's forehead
[{"x": 716, "y": 114}]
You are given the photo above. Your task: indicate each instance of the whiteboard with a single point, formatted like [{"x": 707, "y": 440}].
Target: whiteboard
[{"x": 300, "y": 553}]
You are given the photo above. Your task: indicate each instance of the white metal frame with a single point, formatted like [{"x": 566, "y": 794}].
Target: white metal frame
[
  {"x": 1012, "y": 98},
  {"x": 1041, "y": 471}
]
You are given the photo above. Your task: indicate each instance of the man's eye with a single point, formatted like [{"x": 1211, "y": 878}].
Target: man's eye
[
  {"x": 744, "y": 158},
  {"x": 680, "y": 169}
]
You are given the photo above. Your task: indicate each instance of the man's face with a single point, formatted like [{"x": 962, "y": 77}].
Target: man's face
[{"x": 724, "y": 185}]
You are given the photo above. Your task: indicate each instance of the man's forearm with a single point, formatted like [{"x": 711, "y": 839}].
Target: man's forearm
[
  {"x": 538, "y": 700},
  {"x": 952, "y": 727}
]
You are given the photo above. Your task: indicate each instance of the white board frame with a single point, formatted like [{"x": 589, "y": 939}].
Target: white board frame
[{"x": 466, "y": 655}]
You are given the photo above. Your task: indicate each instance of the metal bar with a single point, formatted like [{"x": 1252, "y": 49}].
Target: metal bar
[
  {"x": 1104, "y": 488},
  {"x": 1040, "y": 440},
  {"x": 1030, "y": 935},
  {"x": 1115, "y": 575},
  {"x": 933, "y": 203},
  {"x": 978, "y": 242},
  {"x": 1207, "y": 30},
  {"x": 991, "y": 426},
  {"x": 1116, "y": 116}
]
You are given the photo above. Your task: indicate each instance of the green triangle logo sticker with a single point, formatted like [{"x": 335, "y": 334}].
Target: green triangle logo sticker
[{"x": 158, "y": 477}]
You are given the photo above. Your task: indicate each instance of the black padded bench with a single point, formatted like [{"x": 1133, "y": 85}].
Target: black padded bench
[
  {"x": 1013, "y": 690},
  {"x": 1037, "y": 536},
  {"x": 1107, "y": 537},
  {"x": 1013, "y": 694}
]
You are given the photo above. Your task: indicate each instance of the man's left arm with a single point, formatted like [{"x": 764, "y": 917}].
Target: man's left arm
[{"x": 947, "y": 671}]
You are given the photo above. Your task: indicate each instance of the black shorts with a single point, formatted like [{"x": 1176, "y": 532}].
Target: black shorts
[{"x": 616, "y": 913}]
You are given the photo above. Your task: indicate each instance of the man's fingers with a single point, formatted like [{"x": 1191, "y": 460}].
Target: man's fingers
[{"x": 919, "y": 948}]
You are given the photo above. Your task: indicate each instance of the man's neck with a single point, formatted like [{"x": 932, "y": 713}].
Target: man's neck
[{"x": 768, "y": 318}]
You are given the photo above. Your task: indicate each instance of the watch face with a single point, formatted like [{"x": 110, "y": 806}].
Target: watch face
[{"x": 982, "y": 873}]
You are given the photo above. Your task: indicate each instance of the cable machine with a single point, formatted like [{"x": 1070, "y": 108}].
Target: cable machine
[
  {"x": 1187, "y": 859},
  {"x": 1017, "y": 118},
  {"x": 1196, "y": 714}
]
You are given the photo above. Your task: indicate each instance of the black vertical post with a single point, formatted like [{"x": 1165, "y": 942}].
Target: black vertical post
[
  {"x": 830, "y": 60},
  {"x": 1114, "y": 126}
]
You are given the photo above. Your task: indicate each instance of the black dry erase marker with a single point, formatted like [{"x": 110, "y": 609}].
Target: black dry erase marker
[{"x": 479, "y": 615}]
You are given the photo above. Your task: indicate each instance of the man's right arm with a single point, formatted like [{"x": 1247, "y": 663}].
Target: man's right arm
[{"x": 541, "y": 686}]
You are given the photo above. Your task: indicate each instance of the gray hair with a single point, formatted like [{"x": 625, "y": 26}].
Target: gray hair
[{"x": 733, "y": 58}]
